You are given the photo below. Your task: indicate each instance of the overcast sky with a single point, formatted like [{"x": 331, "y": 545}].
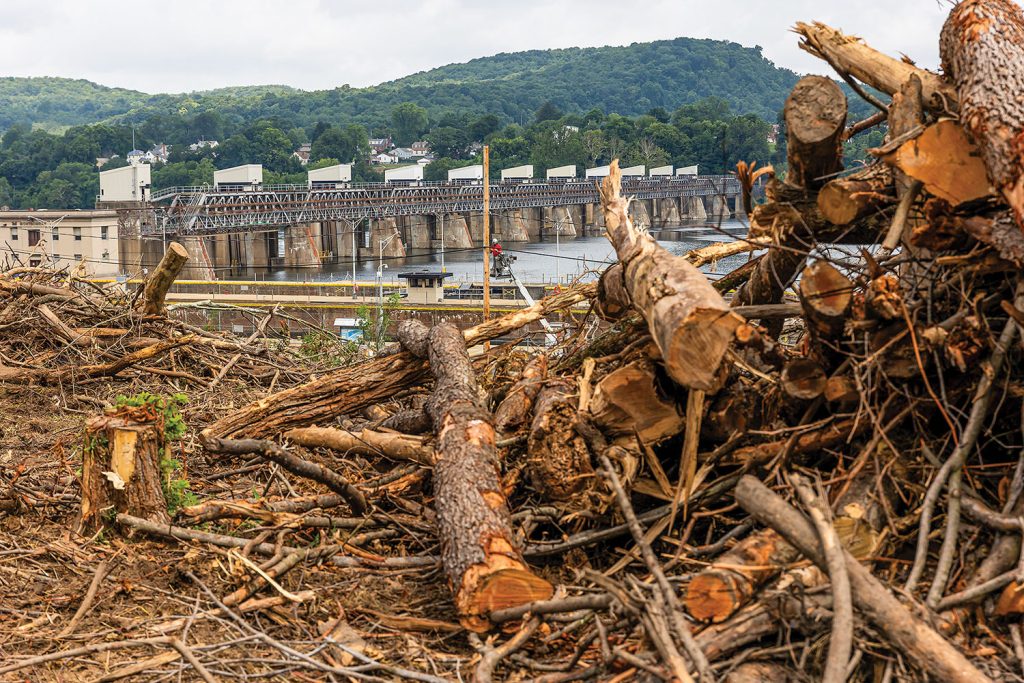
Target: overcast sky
[{"x": 181, "y": 45}]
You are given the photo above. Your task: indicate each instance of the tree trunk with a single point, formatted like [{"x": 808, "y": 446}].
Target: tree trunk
[
  {"x": 612, "y": 298},
  {"x": 514, "y": 409},
  {"x": 559, "y": 460},
  {"x": 485, "y": 568},
  {"x": 882, "y": 72},
  {"x": 351, "y": 389},
  {"x": 162, "y": 277},
  {"x": 815, "y": 114},
  {"x": 626, "y": 401},
  {"x": 844, "y": 200},
  {"x": 366, "y": 442},
  {"x": 982, "y": 49},
  {"x": 121, "y": 468},
  {"x": 688, "y": 319}
]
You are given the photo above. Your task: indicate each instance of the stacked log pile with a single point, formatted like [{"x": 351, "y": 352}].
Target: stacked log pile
[{"x": 809, "y": 469}]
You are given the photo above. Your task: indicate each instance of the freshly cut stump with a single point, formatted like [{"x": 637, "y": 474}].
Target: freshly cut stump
[{"x": 121, "y": 467}]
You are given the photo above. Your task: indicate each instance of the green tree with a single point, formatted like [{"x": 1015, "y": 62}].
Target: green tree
[
  {"x": 547, "y": 112},
  {"x": 409, "y": 120},
  {"x": 446, "y": 141}
]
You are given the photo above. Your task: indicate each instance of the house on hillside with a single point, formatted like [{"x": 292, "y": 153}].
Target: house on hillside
[
  {"x": 420, "y": 148},
  {"x": 378, "y": 145},
  {"x": 384, "y": 158},
  {"x": 159, "y": 153},
  {"x": 203, "y": 144},
  {"x": 404, "y": 153},
  {"x": 773, "y": 134},
  {"x": 302, "y": 153},
  {"x": 136, "y": 156}
]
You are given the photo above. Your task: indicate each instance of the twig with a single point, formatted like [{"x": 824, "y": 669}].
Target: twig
[
  {"x": 90, "y": 595},
  {"x": 493, "y": 655}
]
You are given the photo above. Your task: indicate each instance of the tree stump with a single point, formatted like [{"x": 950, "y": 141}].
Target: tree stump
[
  {"x": 121, "y": 467},
  {"x": 161, "y": 279}
]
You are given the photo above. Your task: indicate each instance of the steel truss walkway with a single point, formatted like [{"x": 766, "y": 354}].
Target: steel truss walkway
[{"x": 204, "y": 210}]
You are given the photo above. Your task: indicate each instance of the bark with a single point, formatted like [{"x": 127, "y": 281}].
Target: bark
[
  {"x": 905, "y": 631},
  {"x": 906, "y": 113},
  {"x": 626, "y": 401},
  {"x": 809, "y": 442},
  {"x": 485, "y": 567},
  {"x": 844, "y": 200},
  {"x": 612, "y": 297},
  {"x": 762, "y": 672},
  {"x": 687, "y": 317},
  {"x": 982, "y": 50},
  {"x": 161, "y": 279},
  {"x": 121, "y": 468},
  {"x": 815, "y": 114},
  {"x": 850, "y": 55},
  {"x": 558, "y": 458},
  {"x": 365, "y": 442},
  {"x": 515, "y": 408},
  {"x": 412, "y": 421},
  {"x": 351, "y": 389}
]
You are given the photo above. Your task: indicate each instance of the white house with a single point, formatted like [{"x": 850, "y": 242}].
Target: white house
[
  {"x": 404, "y": 153},
  {"x": 203, "y": 144},
  {"x": 420, "y": 148},
  {"x": 384, "y": 158}
]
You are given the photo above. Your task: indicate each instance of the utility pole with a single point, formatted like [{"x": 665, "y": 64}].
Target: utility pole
[
  {"x": 352, "y": 226},
  {"x": 442, "y": 243},
  {"x": 487, "y": 235}
]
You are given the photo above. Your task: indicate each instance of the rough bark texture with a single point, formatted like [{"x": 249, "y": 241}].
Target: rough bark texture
[
  {"x": 906, "y": 112},
  {"x": 514, "y": 409},
  {"x": 351, "y": 389},
  {"x": 910, "y": 634},
  {"x": 558, "y": 458},
  {"x": 882, "y": 72},
  {"x": 612, "y": 298},
  {"x": 688, "y": 319},
  {"x": 162, "y": 277},
  {"x": 815, "y": 114},
  {"x": 121, "y": 467},
  {"x": 982, "y": 49},
  {"x": 844, "y": 200},
  {"x": 626, "y": 401},
  {"x": 485, "y": 568}
]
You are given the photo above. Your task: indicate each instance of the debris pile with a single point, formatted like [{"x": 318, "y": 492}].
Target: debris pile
[{"x": 809, "y": 469}]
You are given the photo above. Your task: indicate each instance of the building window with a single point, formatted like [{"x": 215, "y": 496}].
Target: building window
[
  {"x": 103, "y": 232},
  {"x": 34, "y": 261},
  {"x": 14, "y": 234},
  {"x": 78, "y": 257},
  {"x": 78, "y": 234},
  {"x": 55, "y": 234},
  {"x": 33, "y": 238}
]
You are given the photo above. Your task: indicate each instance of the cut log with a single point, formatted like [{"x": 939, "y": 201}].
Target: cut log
[
  {"x": 882, "y": 72},
  {"x": 717, "y": 592},
  {"x": 825, "y": 296},
  {"x": 946, "y": 161},
  {"x": 484, "y": 565},
  {"x": 803, "y": 378},
  {"x": 815, "y": 114},
  {"x": 842, "y": 390},
  {"x": 514, "y": 409},
  {"x": 612, "y": 298},
  {"x": 366, "y": 442},
  {"x": 121, "y": 468},
  {"x": 982, "y": 49},
  {"x": 688, "y": 319},
  {"x": 161, "y": 279},
  {"x": 808, "y": 442},
  {"x": 351, "y": 389},
  {"x": 844, "y": 200},
  {"x": 558, "y": 458},
  {"x": 626, "y": 401}
]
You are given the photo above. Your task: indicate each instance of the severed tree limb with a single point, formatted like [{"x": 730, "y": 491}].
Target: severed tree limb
[
  {"x": 688, "y": 319},
  {"x": 515, "y": 408},
  {"x": 356, "y": 387},
  {"x": 366, "y": 442},
  {"x": 815, "y": 113},
  {"x": 485, "y": 567},
  {"x": 881, "y": 72},
  {"x": 982, "y": 49},
  {"x": 304, "y": 468},
  {"x": 911, "y": 636},
  {"x": 161, "y": 279}
]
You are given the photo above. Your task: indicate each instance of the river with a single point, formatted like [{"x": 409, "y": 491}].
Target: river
[{"x": 547, "y": 261}]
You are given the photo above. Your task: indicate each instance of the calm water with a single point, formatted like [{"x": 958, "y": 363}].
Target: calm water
[{"x": 536, "y": 262}]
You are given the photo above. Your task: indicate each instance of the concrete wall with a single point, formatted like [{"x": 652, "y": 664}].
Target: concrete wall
[
  {"x": 639, "y": 213},
  {"x": 415, "y": 231},
  {"x": 666, "y": 213},
  {"x": 302, "y": 245},
  {"x": 381, "y": 229},
  {"x": 456, "y": 232},
  {"x": 559, "y": 218},
  {"x": 512, "y": 226},
  {"x": 693, "y": 209}
]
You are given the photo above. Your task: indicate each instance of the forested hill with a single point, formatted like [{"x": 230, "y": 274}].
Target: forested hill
[{"x": 627, "y": 80}]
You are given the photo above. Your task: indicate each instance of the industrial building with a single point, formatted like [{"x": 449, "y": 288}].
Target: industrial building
[
  {"x": 561, "y": 172},
  {"x": 125, "y": 184},
  {"x": 518, "y": 173},
  {"x": 404, "y": 173},
  {"x": 330, "y": 177},
  {"x": 687, "y": 170},
  {"x": 475, "y": 172},
  {"x": 245, "y": 177},
  {"x": 64, "y": 238},
  {"x": 661, "y": 171}
]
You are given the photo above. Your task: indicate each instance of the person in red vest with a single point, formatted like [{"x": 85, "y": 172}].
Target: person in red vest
[{"x": 495, "y": 249}]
